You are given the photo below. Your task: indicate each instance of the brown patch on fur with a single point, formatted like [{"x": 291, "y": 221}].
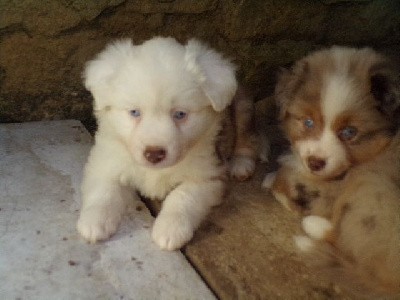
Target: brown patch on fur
[
  {"x": 288, "y": 84},
  {"x": 368, "y": 149},
  {"x": 297, "y": 115},
  {"x": 369, "y": 223},
  {"x": 346, "y": 208},
  {"x": 331, "y": 237},
  {"x": 305, "y": 197},
  {"x": 341, "y": 208},
  {"x": 373, "y": 134}
]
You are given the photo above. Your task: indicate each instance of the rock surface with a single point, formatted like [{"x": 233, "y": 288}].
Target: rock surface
[
  {"x": 44, "y": 44},
  {"x": 41, "y": 253}
]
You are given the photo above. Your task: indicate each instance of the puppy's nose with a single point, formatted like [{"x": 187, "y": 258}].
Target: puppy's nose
[
  {"x": 154, "y": 154},
  {"x": 316, "y": 163}
]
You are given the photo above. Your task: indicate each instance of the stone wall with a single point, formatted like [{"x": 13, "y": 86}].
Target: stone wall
[{"x": 44, "y": 44}]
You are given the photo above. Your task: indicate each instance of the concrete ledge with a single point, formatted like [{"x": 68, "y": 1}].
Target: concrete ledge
[{"x": 41, "y": 253}]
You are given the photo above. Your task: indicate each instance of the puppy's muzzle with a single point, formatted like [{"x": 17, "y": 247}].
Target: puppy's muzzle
[
  {"x": 155, "y": 154},
  {"x": 315, "y": 163}
]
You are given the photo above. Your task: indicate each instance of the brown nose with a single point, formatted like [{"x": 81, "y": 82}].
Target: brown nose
[
  {"x": 316, "y": 163},
  {"x": 154, "y": 154}
]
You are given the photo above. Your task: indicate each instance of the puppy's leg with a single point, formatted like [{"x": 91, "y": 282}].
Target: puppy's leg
[
  {"x": 103, "y": 203},
  {"x": 102, "y": 212},
  {"x": 183, "y": 210},
  {"x": 281, "y": 187},
  {"x": 242, "y": 165}
]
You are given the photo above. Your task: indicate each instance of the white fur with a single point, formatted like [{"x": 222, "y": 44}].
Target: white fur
[
  {"x": 327, "y": 147},
  {"x": 316, "y": 227},
  {"x": 156, "y": 78},
  {"x": 341, "y": 56},
  {"x": 241, "y": 167},
  {"x": 215, "y": 73},
  {"x": 337, "y": 96},
  {"x": 269, "y": 180}
]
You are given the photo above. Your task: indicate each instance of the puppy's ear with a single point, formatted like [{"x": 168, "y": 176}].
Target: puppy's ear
[
  {"x": 385, "y": 87},
  {"x": 99, "y": 72},
  {"x": 215, "y": 74},
  {"x": 282, "y": 97},
  {"x": 288, "y": 83}
]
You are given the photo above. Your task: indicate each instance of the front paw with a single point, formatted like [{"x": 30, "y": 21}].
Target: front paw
[
  {"x": 98, "y": 223},
  {"x": 171, "y": 231},
  {"x": 242, "y": 167},
  {"x": 316, "y": 227},
  {"x": 269, "y": 180}
]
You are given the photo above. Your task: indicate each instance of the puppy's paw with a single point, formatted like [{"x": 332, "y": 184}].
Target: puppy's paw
[
  {"x": 171, "y": 231},
  {"x": 242, "y": 167},
  {"x": 265, "y": 149},
  {"x": 316, "y": 227},
  {"x": 268, "y": 180},
  {"x": 303, "y": 243},
  {"x": 98, "y": 223}
]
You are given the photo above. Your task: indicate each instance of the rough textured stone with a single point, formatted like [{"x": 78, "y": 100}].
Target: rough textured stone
[
  {"x": 377, "y": 23},
  {"x": 42, "y": 255},
  {"x": 44, "y": 44},
  {"x": 274, "y": 19},
  {"x": 173, "y": 6},
  {"x": 49, "y": 17}
]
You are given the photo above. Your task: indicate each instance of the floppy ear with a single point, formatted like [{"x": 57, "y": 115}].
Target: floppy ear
[
  {"x": 385, "y": 87},
  {"x": 99, "y": 72},
  {"x": 215, "y": 74},
  {"x": 282, "y": 96},
  {"x": 287, "y": 84}
]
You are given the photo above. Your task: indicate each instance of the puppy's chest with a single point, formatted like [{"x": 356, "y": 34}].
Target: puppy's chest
[{"x": 154, "y": 185}]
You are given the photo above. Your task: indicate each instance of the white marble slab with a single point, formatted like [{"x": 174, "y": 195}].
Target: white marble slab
[{"x": 42, "y": 255}]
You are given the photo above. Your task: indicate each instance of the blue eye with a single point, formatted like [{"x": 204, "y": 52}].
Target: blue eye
[
  {"x": 179, "y": 115},
  {"x": 135, "y": 113},
  {"x": 309, "y": 123},
  {"x": 348, "y": 133}
]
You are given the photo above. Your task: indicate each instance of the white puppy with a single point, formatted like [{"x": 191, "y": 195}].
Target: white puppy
[{"x": 159, "y": 107}]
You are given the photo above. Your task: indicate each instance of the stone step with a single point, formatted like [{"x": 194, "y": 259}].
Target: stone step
[{"x": 41, "y": 254}]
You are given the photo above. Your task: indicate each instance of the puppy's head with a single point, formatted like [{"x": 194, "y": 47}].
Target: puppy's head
[
  {"x": 339, "y": 108},
  {"x": 159, "y": 98}
]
